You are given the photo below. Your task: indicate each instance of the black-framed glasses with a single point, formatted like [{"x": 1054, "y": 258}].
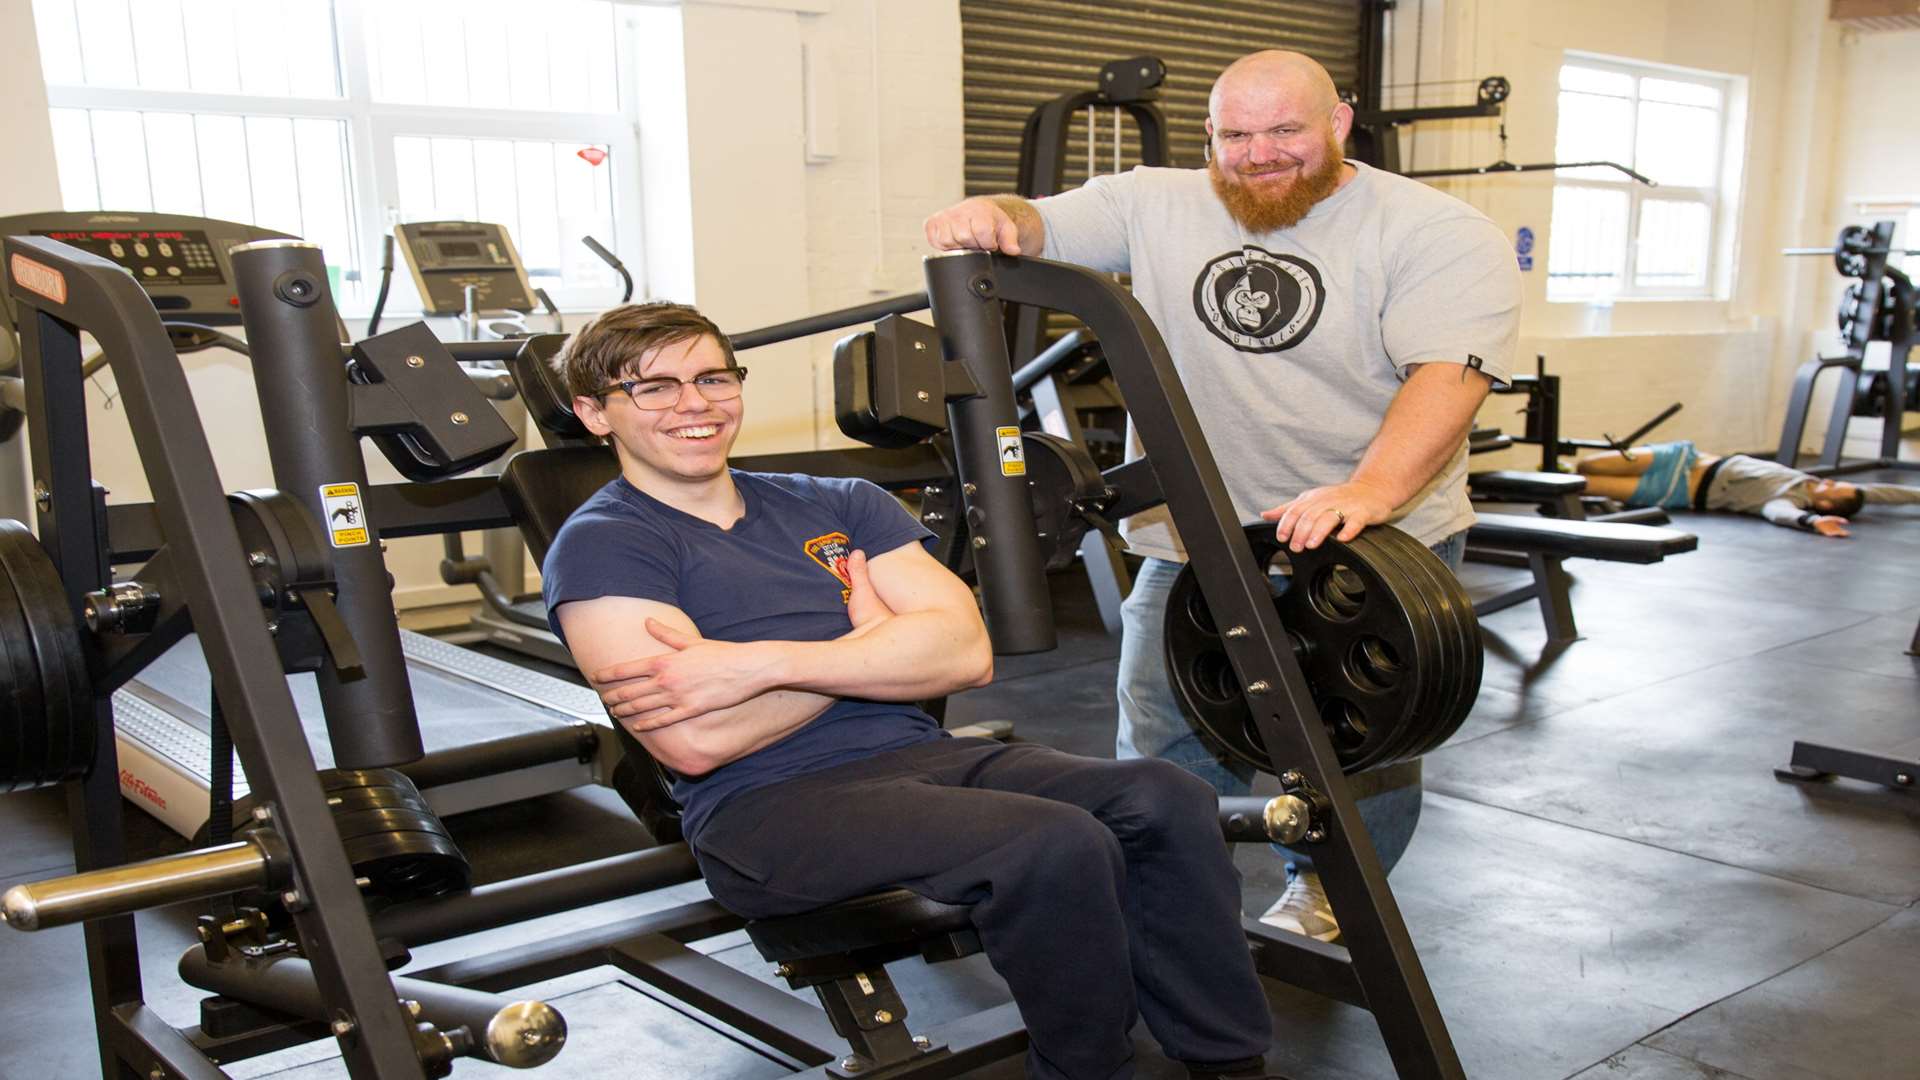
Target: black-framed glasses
[{"x": 663, "y": 391}]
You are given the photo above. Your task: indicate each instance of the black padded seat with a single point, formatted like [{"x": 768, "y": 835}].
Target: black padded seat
[
  {"x": 1520, "y": 484},
  {"x": 1607, "y": 541},
  {"x": 893, "y": 917}
]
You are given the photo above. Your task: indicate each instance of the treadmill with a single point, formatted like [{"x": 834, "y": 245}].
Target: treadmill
[
  {"x": 471, "y": 270},
  {"x": 494, "y": 732}
]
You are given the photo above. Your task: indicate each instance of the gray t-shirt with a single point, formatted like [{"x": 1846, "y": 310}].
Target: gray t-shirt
[{"x": 1292, "y": 343}]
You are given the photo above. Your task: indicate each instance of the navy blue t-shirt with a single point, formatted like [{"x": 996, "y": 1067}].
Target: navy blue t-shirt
[{"x": 779, "y": 574}]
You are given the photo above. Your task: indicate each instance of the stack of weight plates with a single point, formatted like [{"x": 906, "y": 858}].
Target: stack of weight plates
[{"x": 1383, "y": 633}]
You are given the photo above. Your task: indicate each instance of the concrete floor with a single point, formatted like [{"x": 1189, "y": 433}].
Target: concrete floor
[{"x": 1607, "y": 881}]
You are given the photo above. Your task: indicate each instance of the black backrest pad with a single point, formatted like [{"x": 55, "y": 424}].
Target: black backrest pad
[
  {"x": 542, "y": 390},
  {"x": 542, "y": 487}
]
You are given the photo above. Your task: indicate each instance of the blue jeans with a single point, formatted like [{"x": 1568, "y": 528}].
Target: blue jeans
[{"x": 1152, "y": 725}]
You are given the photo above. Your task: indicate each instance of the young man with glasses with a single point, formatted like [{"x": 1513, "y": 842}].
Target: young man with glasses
[
  {"x": 764, "y": 637},
  {"x": 1337, "y": 324}
]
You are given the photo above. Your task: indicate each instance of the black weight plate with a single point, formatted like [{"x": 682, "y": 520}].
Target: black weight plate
[
  {"x": 64, "y": 667},
  {"x": 1467, "y": 686},
  {"x": 352, "y": 799},
  {"x": 1457, "y": 682},
  {"x": 1440, "y": 604},
  {"x": 1428, "y": 673},
  {"x": 1420, "y": 566},
  {"x": 1362, "y": 719},
  {"x": 362, "y": 823},
  {"x": 46, "y": 738},
  {"x": 22, "y": 717},
  {"x": 1389, "y": 549},
  {"x": 1199, "y": 673},
  {"x": 57, "y": 651},
  {"x": 1408, "y": 607},
  {"x": 35, "y": 731},
  {"x": 336, "y": 780},
  {"x": 410, "y": 866},
  {"x": 1335, "y": 641}
]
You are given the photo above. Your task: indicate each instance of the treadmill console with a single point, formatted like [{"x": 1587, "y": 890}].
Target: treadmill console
[
  {"x": 446, "y": 257},
  {"x": 180, "y": 261}
]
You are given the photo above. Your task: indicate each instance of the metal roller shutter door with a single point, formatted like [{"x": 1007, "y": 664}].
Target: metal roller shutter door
[{"x": 1019, "y": 53}]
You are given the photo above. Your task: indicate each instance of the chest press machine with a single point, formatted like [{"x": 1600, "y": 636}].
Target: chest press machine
[{"x": 321, "y": 957}]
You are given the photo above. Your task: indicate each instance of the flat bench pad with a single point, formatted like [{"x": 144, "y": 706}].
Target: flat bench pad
[
  {"x": 1608, "y": 541},
  {"x": 863, "y": 922},
  {"x": 1530, "y": 485}
]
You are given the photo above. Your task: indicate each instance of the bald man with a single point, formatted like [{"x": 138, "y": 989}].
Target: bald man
[{"x": 1337, "y": 325}]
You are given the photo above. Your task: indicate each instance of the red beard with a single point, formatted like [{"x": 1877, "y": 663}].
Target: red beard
[{"x": 1261, "y": 211}]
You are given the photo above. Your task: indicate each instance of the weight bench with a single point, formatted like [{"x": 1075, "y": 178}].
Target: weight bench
[
  {"x": 1557, "y": 494},
  {"x": 841, "y": 950},
  {"x": 1543, "y": 543}
]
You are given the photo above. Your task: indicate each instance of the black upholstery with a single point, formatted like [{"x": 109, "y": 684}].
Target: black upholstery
[
  {"x": 541, "y": 389},
  {"x": 864, "y": 922},
  {"x": 1520, "y": 484},
  {"x": 542, "y": 487},
  {"x": 1603, "y": 540}
]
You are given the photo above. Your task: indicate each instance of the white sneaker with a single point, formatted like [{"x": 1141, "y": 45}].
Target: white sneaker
[{"x": 1303, "y": 909}]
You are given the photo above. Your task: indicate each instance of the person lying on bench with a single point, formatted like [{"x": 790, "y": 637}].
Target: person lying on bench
[
  {"x": 1676, "y": 476},
  {"x": 764, "y": 637}
]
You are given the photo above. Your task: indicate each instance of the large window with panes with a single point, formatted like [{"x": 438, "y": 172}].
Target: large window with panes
[
  {"x": 1614, "y": 237},
  {"x": 334, "y": 121}
]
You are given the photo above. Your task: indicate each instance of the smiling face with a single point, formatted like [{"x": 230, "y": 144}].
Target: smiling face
[
  {"x": 1276, "y": 127},
  {"x": 677, "y": 449}
]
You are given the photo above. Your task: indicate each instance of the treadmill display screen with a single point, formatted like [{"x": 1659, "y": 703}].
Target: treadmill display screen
[
  {"x": 156, "y": 259},
  {"x": 459, "y": 249}
]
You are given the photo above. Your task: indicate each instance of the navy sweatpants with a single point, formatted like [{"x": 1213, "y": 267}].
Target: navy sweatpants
[{"x": 1102, "y": 890}]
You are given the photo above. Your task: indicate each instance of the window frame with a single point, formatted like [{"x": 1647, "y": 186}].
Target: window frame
[
  {"x": 372, "y": 126},
  {"x": 1719, "y": 200}
]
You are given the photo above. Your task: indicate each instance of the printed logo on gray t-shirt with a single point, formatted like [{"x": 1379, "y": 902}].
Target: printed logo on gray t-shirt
[{"x": 1258, "y": 301}]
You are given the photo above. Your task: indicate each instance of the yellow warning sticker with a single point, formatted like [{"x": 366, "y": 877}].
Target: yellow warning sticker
[
  {"x": 1013, "y": 456},
  {"x": 346, "y": 517}
]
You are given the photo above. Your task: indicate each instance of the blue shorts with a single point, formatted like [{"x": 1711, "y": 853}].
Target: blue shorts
[{"x": 1664, "y": 484}]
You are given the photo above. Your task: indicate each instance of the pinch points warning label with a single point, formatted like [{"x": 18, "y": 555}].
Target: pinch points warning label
[
  {"x": 346, "y": 518},
  {"x": 1013, "y": 456}
]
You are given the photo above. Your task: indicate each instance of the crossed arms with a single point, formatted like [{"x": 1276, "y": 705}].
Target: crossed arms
[{"x": 697, "y": 704}]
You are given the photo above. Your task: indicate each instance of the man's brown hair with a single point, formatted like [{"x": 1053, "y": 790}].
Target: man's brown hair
[{"x": 607, "y": 349}]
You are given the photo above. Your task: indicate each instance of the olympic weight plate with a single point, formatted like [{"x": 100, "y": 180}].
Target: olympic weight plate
[
  {"x": 1453, "y": 611},
  {"x": 23, "y": 710},
  {"x": 50, "y": 718},
  {"x": 392, "y": 838},
  {"x": 1407, "y": 584},
  {"x": 1369, "y": 651},
  {"x": 1373, "y": 662}
]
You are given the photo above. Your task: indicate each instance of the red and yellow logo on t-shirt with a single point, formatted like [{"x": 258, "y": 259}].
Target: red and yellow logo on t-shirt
[{"x": 831, "y": 552}]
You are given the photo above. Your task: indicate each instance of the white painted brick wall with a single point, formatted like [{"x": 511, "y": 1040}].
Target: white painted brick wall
[{"x": 896, "y": 80}]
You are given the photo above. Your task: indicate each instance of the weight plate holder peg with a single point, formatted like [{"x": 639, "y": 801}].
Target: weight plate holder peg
[{"x": 1388, "y": 646}]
